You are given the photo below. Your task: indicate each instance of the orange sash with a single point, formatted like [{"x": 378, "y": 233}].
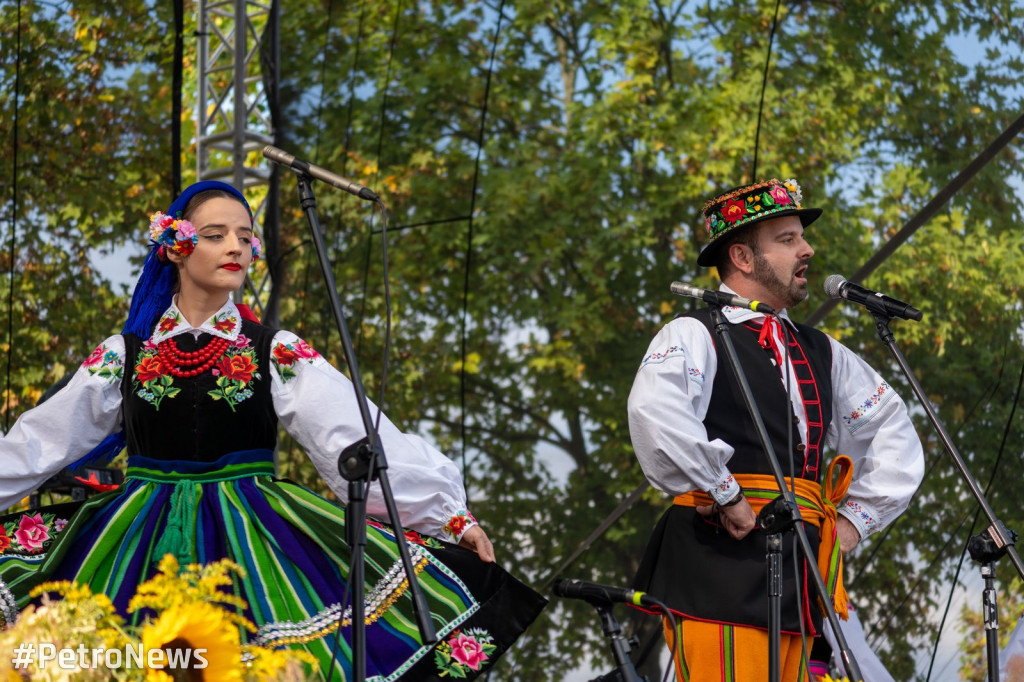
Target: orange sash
[{"x": 817, "y": 506}]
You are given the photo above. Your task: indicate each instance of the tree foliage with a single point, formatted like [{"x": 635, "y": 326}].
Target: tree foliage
[{"x": 539, "y": 210}]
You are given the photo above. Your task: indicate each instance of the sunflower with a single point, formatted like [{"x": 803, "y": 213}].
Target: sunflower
[{"x": 182, "y": 629}]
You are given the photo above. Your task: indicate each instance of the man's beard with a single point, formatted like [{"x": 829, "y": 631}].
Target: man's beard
[{"x": 790, "y": 294}]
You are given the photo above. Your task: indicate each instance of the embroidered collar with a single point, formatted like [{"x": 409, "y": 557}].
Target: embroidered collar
[
  {"x": 226, "y": 323},
  {"x": 736, "y": 315}
]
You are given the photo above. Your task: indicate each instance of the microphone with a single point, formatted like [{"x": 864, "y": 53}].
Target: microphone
[
  {"x": 837, "y": 286},
  {"x": 603, "y": 594},
  {"x": 285, "y": 159},
  {"x": 720, "y": 298}
]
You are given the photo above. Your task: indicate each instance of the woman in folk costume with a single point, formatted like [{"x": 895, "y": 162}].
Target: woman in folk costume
[{"x": 196, "y": 387}]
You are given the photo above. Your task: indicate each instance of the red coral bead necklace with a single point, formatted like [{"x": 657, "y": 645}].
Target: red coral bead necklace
[{"x": 191, "y": 363}]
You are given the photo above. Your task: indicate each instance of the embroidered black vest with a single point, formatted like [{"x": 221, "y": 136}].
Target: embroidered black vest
[
  {"x": 225, "y": 409},
  {"x": 728, "y": 419}
]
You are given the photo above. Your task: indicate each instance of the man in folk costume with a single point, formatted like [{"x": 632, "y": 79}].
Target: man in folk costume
[{"x": 695, "y": 440}]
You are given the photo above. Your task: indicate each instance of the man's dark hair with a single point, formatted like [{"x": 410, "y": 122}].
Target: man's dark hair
[{"x": 746, "y": 236}]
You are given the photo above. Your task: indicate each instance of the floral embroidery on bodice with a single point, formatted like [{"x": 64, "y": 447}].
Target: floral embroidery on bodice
[
  {"x": 236, "y": 369},
  {"x": 218, "y": 383}
]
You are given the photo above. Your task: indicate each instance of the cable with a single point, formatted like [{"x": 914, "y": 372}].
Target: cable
[
  {"x": 14, "y": 225},
  {"x": 387, "y": 312},
  {"x": 176, "y": 94},
  {"x": 323, "y": 81},
  {"x": 788, "y": 369},
  {"x": 977, "y": 514},
  {"x": 764, "y": 86},
  {"x": 382, "y": 118},
  {"x": 878, "y": 544},
  {"x": 469, "y": 248},
  {"x": 316, "y": 144}
]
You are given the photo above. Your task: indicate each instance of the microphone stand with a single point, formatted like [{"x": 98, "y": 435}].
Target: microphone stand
[
  {"x": 360, "y": 463},
  {"x": 779, "y": 515},
  {"x": 991, "y": 544},
  {"x": 624, "y": 670},
  {"x": 984, "y": 550}
]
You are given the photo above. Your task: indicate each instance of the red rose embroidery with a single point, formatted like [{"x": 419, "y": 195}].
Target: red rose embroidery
[
  {"x": 167, "y": 324},
  {"x": 5, "y": 541},
  {"x": 456, "y": 525},
  {"x": 284, "y": 355},
  {"x": 224, "y": 325},
  {"x": 149, "y": 369},
  {"x": 734, "y": 210},
  {"x": 237, "y": 368}
]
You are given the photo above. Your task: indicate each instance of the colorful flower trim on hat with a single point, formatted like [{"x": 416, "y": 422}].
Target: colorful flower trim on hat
[
  {"x": 750, "y": 204},
  {"x": 179, "y": 235},
  {"x": 746, "y": 204}
]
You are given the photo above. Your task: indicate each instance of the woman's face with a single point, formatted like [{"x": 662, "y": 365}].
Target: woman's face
[{"x": 223, "y": 251}]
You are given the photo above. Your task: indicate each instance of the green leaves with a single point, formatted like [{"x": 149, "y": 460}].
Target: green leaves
[{"x": 526, "y": 287}]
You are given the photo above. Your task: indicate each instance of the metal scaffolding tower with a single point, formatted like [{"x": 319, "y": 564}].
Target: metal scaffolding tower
[{"x": 234, "y": 119}]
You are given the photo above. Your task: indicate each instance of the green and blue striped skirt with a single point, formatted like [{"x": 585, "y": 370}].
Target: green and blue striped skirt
[{"x": 291, "y": 543}]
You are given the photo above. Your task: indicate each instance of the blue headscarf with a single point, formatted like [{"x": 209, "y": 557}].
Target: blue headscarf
[
  {"x": 155, "y": 288},
  {"x": 152, "y": 296}
]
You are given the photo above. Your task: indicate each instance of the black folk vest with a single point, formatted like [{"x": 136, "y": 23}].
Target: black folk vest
[
  {"x": 811, "y": 356},
  {"x": 226, "y": 409}
]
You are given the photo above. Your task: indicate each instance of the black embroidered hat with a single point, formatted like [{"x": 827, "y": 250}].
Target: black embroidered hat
[{"x": 747, "y": 205}]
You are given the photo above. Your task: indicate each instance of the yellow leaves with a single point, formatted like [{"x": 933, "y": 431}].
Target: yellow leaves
[
  {"x": 368, "y": 168},
  {"x": 472, "y": 364},
  {"x": 666, "y": 308},
  {"x": 86, "y": 34},
  {"x": 557, "y": 357},
  {"x": 32, "y": 394}
]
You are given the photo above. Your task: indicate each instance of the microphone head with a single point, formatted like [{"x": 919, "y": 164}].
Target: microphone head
[
  {"x": 834, "y": 286},
  {"x": 277, "y": 155},
  {"x": 681, "y": 289}
]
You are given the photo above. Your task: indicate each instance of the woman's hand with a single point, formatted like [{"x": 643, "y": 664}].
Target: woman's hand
[{"x": 476, "y": 539}]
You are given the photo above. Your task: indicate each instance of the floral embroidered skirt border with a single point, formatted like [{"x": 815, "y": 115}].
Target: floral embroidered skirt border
[{"x": 291, "y": 544}]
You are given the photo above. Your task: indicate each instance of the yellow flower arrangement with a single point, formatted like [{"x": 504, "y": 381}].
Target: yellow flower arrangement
[
  {"x": 183, "y": 629},
  {"x": 191, "y": 626}
]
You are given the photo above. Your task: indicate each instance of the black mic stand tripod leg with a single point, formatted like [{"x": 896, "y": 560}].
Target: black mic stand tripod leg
[
  {"x": 785, "y": 512},
  {"x": 360, "y": 463}
]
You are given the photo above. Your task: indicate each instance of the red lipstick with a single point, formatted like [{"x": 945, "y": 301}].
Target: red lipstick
[{"x": 232, "y": 266}]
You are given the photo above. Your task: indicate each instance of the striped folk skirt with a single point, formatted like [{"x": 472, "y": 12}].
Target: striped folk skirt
[{"x": 291, "y": 543}]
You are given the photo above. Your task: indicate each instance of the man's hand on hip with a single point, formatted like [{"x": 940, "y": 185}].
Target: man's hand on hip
[{"x": 738, "y": 519}]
